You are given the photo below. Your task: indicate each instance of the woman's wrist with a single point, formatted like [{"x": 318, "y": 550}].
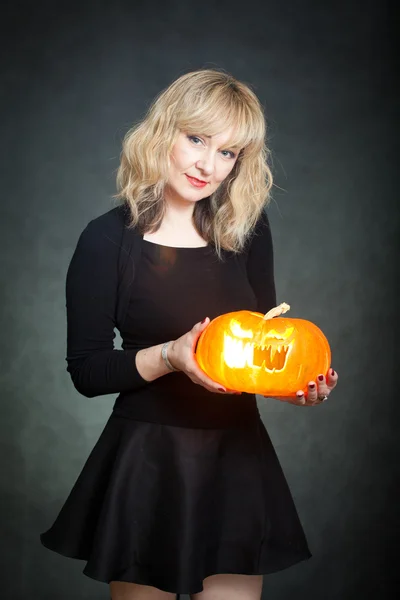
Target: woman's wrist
[
  {"x": 164, "y": 355},
  {"x": 172, "y": 354}
]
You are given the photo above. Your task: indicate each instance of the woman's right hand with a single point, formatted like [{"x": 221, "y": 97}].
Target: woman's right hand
[{"x": 181, "y": 354}]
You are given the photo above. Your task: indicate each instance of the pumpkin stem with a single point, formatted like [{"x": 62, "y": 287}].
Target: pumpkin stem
[{"x": 276, "y": 311}]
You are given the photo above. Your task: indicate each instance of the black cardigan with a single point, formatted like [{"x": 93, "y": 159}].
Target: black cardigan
[{"x": 98, "y": 283}]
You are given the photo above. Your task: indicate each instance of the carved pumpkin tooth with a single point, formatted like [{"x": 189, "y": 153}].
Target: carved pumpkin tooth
[{"x": 249, "y": 353}]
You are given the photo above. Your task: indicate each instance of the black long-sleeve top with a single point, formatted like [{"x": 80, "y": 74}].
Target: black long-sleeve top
[{"x": 168, "y": 290}]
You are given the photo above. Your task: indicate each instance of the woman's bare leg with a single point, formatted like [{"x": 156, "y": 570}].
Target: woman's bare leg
[
  {"x": 230, "y": 587},
  {"x": 123, "y": 590}
]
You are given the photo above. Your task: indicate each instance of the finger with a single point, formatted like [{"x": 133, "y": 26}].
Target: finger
[
  {"x": 198, "y": 376},
  {"x": 323, "y": 389},
  {"x": 331, "y": 379},
  {"x": 198, "y": 328},
  {"x": 300, "y": 398},
  {"x": 197, "y": 331},
  {"x": 215, "y": 390},
  {"x": 210, "y": 388},
  {"x": 312, "y": 392}
]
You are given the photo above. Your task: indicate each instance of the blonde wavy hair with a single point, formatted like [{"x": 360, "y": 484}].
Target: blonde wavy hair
[{"x": 206, "y": 102}]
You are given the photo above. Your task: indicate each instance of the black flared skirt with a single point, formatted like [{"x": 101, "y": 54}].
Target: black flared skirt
[{"x": 168, "y": 506}]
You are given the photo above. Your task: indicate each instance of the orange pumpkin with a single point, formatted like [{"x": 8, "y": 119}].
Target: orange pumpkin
[{"x": 250, "y": 352}]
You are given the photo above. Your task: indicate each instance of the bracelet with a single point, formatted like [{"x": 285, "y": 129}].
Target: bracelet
[{"x": 165, "y": 357}]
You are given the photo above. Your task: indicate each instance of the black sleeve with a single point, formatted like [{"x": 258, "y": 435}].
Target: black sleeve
[
  {"x": 260, "y": 265},
  {"x": 96, "y": 368}
]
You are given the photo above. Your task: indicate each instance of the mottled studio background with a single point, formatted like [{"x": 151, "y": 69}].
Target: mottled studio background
[{"x": 74, "y": 78}]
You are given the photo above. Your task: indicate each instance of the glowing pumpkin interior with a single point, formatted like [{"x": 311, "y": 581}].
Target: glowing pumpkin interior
[{"x": 277, "y": 356}]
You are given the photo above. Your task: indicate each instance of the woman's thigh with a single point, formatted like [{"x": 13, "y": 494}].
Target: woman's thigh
[
  {"x": 230, "y": 587},
  {"x": 122, "y": 590}
]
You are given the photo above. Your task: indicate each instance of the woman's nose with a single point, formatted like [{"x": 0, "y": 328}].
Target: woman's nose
[{"x": 205, "y": 165}]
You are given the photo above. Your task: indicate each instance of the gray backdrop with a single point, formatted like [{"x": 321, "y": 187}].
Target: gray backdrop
[{"x": 76, "y": 76}]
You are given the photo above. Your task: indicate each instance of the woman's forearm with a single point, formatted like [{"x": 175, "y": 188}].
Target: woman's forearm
[{"x": 150, "y": 363}]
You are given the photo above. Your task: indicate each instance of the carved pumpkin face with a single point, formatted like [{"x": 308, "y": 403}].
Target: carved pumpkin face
[{"x": 246, "y": 352}]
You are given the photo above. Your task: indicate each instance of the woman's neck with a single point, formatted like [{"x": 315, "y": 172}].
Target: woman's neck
[{"x": 177, "y": 228}]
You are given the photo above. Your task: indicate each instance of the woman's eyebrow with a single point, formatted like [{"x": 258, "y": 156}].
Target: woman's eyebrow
[{"x": 210, "y": 136}]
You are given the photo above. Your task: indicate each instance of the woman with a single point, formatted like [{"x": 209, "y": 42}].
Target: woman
[{"x": 183, "y": 491}]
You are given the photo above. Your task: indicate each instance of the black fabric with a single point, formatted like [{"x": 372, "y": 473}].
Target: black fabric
[
  {"x": 182, "y": 483},
  {"x": 99, "y": 283},
  {"x": 175, "y": 288},
  {"x": 168, "y": 506}
]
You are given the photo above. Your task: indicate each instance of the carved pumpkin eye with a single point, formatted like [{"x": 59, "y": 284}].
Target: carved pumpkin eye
[
  {"x": 237, "y": 330},
  {"x": 274, "y": 334},
  {"x": 276, "y": 357}
]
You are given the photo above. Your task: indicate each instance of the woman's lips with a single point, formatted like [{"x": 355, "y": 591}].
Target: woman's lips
[{"x": 196, "y": 182}]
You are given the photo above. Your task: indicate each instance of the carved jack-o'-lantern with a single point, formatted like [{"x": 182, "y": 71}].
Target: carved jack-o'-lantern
[{"x": 250, "y": 352}]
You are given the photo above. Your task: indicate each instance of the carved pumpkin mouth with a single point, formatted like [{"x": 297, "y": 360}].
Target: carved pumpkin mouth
[
  {"x": 271, "y": 358},
  {"x": 241, "y": 353}
]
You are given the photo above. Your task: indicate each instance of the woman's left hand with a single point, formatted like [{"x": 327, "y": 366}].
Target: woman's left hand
[{"x": 317, "y": 391}]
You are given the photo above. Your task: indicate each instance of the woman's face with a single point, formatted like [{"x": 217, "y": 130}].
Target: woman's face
[{"x": 199, "y": 164}]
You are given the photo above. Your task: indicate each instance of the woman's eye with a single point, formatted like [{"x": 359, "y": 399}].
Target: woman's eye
[
  {"x": 193, "y": 138},
  {"x": 232, "y": 154}
]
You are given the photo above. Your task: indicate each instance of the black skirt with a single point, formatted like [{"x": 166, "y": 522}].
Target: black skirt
[{"x": 168, "y": 506}]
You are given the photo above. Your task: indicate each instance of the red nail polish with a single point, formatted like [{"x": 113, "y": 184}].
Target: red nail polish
[
  {"x": 333, "y": 372},
  {"x": 203, "y": 321},
  {"x": 312, "y": 385},
  {"x": 321, "y": 377},
  {"x": 221, "y": 389}
]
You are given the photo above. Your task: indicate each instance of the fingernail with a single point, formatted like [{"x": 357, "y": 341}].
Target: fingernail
[
  {"x": 204, "y": 320},
  {"x": 222, "y": 390},
  {"x": 321, "y": 377},
  {"x": 333, "y": 372},
  {"x": 312, "y": 385},
  {"x": 300, "y": 396}
]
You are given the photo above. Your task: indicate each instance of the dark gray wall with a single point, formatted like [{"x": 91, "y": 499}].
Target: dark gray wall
[{"x": 75, "y": 78}]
